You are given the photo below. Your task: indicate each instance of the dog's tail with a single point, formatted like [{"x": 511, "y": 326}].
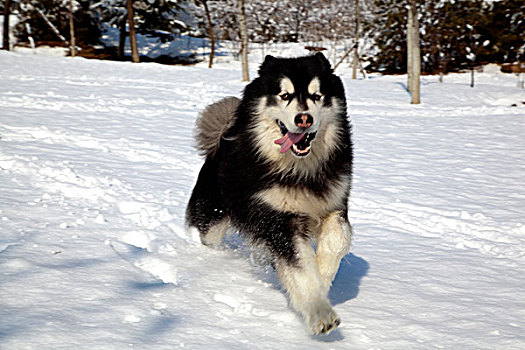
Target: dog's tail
[{"x": 213, "y": 123}]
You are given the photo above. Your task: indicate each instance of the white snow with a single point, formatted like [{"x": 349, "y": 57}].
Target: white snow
[{"x": 97, "y": 163}]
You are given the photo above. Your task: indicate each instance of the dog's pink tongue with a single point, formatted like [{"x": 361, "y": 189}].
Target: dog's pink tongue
[{"x": 288, "y": 140}]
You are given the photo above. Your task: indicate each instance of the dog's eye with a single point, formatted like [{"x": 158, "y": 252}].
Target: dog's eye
[
  {"x": 286, "y": 96},
  {"x": 316, "y": 97}
]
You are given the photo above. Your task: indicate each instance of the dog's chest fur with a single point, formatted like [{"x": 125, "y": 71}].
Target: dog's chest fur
[{"x": 302, "y": 199}]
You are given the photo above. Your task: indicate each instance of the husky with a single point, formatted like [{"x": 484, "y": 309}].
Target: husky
[{"x": 278, "y": 169}]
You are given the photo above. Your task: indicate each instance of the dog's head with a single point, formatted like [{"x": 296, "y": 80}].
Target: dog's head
[{"x": 298, "y": 106}]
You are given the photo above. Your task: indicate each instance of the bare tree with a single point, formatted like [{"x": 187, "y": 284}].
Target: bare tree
[
  {"x": 244, "y": 41},
  {"x": 410, "y": 24},
  {"x": 210, "y": 32},
  {"x": 414, "y": 54},
  {"x": 7, "y": 13},
  {"x": 72, "y": 30},
  {"x": 356, "y": 54},
  {"x": 52, "y": 26},
  {"x": 132, "y": 35},
  {"x": 30, "y": 36},
  {"x": 122, "y": 36}
]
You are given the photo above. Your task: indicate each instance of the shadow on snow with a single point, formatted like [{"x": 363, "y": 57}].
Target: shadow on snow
[{"x": 348, "y": 279}]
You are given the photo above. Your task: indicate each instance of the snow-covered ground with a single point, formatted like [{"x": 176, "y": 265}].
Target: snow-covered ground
[{"x": 97, "y": 163}]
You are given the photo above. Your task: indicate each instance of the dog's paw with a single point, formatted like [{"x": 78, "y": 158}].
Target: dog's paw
[{"x": 323, "y": 319}]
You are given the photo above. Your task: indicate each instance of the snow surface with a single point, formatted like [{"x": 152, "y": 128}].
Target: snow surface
[{"x": 97, "y": 163}]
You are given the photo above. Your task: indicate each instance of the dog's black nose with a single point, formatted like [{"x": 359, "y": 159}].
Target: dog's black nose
[{"x": 304, "y": 120}]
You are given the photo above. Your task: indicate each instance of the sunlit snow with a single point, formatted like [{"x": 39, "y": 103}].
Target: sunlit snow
[{"x": 97, "y": 162}]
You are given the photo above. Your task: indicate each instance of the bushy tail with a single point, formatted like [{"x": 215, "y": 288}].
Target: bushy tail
[{"x": 213, "y": 123}]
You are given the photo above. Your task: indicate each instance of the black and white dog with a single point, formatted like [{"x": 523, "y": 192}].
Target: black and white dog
[{"x": 278, "y": 169}]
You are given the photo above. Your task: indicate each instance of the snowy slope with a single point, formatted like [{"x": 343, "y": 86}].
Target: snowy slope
[{"x": 96, "y": 166}]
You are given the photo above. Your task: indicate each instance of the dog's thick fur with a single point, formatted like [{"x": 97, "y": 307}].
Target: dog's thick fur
[{"x": 286, "y": 198}]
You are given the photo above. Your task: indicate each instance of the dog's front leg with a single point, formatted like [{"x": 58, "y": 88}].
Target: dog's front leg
[
  {"x": 332, "y": 245},
  {"x": 306, "y": 289},
  {"x": 287, "y": 235}
]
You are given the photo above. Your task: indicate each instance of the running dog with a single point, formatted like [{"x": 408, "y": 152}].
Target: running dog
[{"x": 278, "y": 169}]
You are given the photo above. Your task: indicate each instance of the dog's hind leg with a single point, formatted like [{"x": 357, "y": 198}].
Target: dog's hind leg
[
  {"x": 213, "y": 236},
  {"x": 332, "y": 245},
  {"x": 205, "y": 209}
]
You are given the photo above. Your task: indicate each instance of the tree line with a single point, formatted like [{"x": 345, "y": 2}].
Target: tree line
[{"x": 453, "y": 34}]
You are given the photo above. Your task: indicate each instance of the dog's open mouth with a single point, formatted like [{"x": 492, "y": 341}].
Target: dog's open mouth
[{"x": 299, "y": 143}]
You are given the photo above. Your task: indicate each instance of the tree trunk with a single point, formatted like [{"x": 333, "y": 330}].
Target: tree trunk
[
  {"x": 7, "y": 13},
  {"x": 72, "y": 30},
  {"x": 244, "y": 41},
  {"x": 416, "y": 54},
  {"x": 122, "y": 36},
  {"x": 132, "y": 35},
  {"x": 30, "y": 36},
  {"x": 410, "y": 42},
  {"x": 210, "y": 33},
  {"x": 356, "y": 54}
]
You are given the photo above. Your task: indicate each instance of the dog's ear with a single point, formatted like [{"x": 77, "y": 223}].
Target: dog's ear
[
  {"x": 269, "y": 61},
  {"x": 325, "y": 64}
]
